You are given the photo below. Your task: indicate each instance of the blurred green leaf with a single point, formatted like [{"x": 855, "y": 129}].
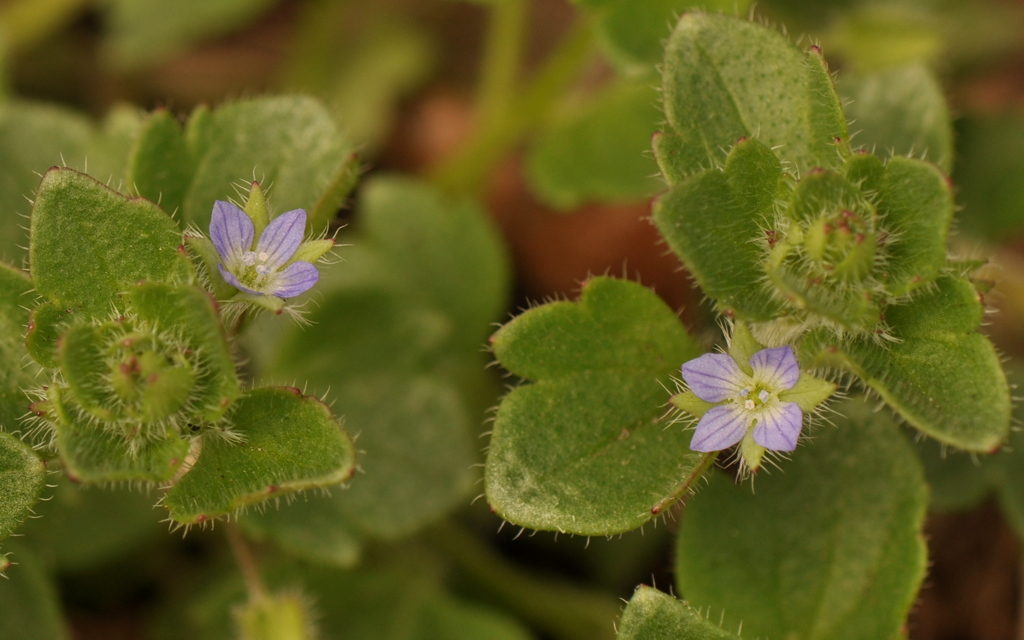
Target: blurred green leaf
[
  {"x": 290, "y": 443},
  {"x": 653, "y": 615},
  {"x": 35, "y": 137},
  {"x": 29, "y": 600},
  {"x": 900, "y": 111},
  {"x": 396, "y": 345},
  {"x": 585, "y": 448},
  {"x": 990, "y": 163},
  {"x": 831, "y": 548},
  {"x": 600, "y": 153},
  {"x": 289, "y": 144},
  {"x": 956, "y": 480},
  {"x": 160, "y": 167},
  {"x": 633, "y": 34},
  {"x": 144, "y": 32},
  {"x": 84, "y": 527},
  {"x": 716, "y": 91},
  {"x": 879, "y": 36}
]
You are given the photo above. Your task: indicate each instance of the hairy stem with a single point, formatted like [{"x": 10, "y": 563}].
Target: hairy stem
[
  {"x": 502, "y": 57},
  {"x": 557, "y": 608}
]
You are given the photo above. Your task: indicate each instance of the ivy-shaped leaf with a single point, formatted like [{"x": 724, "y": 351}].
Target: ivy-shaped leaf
[
  {"x": 938, "y": 374},
  {"x": 830, "y": 549},
  {"x": 290, "y": 442},
  {"x": 715, "y": 221},
  {"x": 585, "y": 447}
]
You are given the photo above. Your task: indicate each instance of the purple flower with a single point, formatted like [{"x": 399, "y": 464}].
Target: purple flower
[
  {"x": 746, "y": 406},
  {"x": 266, "y": 268}
]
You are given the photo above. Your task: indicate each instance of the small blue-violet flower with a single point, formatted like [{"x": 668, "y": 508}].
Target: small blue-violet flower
[
  {"x": 747, "y": 406},
  {"x": 267, "y": 267}
]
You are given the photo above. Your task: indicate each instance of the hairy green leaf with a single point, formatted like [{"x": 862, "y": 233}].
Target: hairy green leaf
[
  {"x": 22, "y": 476},
  {"x": 653, "y": 615},
  {"x": 725, "y": 79},
  {"x": 291, "y": 442},
  {"x": 585, "y": 447},
  {"x": 715, "y": 222},
  {"x": 90, "y": 243}
]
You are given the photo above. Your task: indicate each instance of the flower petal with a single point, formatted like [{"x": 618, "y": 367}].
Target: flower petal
[
  {"x": 233, "y": 281},
  {"x": 776, "y": 368},
  {"x": 282, "y": 237},
  {"x": 231, "y": 231},
  {"x": 720, "y": 428},
  {"x": 295, "y": 279},
  {"x": 778, "y": 426},
  {"x": 714, "y": 377}
]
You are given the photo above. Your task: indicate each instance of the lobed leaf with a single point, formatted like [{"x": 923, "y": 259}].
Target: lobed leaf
[
  {"x": 938, "y": 374},
  {"x": 585, "y": 448},
  {"x": 715, "y": 222},
  {"x": 291, "y": 442},
  {"x": 832, "y": 548}
]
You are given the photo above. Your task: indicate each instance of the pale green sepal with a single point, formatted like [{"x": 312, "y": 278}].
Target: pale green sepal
[
  {"x": 272, "y": 304},
  {"x": 691, "y": 404},
  {"x": 809, "y": 392},
  {"x": 313, "y": 250},
  {"x": 743, "y": 346},
  {"x": 256, "y": 208},
  {"x": 751, "y": 454}
]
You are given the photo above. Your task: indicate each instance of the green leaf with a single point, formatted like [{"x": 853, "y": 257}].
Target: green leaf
[
  {"x": 632, "y": 33},
  {"x": 74, "y": 532},
  {"x": 89, "y": 243},
  {"x": 144, "y": 32},
  {"x": 715, "y": 222},
  {"x": 831, "y": 548},
  {"x": 288, "y": 143},
  {"x": 938, "y": 374},
  {"x": 314, "y": 528},
  {"x": 46, "y": 325},
  {"x": 585, "y": 448},
  {"x": 22, "y": 477},
  {"x": 957, "y": 481},
  {"x": 161, "y": 166},
  {"x": 20, "y": 373},
  {"x": 653, "y": 615},
  {"x": 989, "y": 165},
  {"x": 900, "y": 112},
  {"x": 916, "y": 204},
  {"x": 716, "y": 91},
  {"x": 291, "y": 442},
  {"x": 29, "y": 601},
  {"x": 396, "y": 345},
  {"x": 599, "y": 153},
  {"x": 1008, "y": 478},
  {"x": 92, "y": 454}
]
